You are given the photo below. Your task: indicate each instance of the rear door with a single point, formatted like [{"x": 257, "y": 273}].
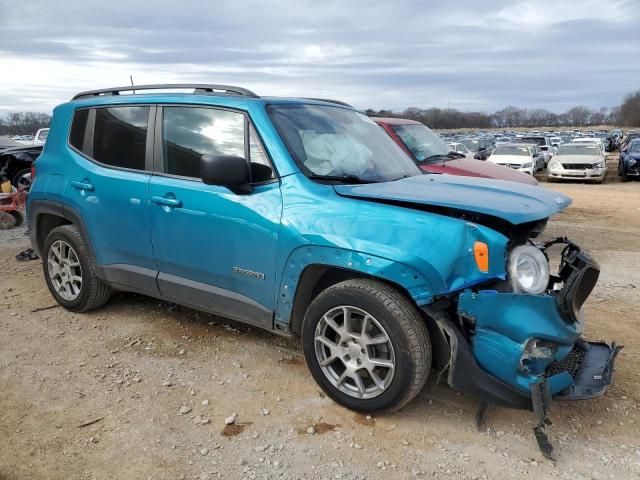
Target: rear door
[
  {"x": 112, "y": 154},
  {"x": 215, "y": 249}
]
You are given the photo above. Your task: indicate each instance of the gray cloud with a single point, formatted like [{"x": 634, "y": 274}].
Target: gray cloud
[{"x": 478, "y": 55}]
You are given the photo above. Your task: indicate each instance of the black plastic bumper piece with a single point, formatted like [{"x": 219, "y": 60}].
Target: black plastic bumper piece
[
  {"x": 592, "y": 375},
  {"x": 466, "y": 376}
]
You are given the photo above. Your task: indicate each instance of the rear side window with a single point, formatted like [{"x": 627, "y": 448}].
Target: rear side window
[
  {"x": 78, "y": 128},
  {"x": 120, "y": 136}
]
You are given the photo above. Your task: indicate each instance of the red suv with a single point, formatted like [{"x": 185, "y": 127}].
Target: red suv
[{"x": 431, "y": 154}]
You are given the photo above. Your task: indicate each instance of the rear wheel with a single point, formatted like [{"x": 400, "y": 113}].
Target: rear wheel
[
  {"x": 366, "y": 345},
  {"x": 69, "y": 271},
  {"x": 18, "y": 216}
]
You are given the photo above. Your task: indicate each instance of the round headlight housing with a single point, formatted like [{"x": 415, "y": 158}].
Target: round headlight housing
[{"x": 528, "y": 270}]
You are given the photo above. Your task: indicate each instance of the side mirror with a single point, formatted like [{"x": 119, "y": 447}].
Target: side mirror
[
  {"x": 226, "y": 171},
  {"x": 477, "y": 156}
]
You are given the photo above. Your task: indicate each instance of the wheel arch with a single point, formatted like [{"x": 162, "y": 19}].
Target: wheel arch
[
  {"x": 311, "y": 269},
  {"x": 45, "y": 215}
]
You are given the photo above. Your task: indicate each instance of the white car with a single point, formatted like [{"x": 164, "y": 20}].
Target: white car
[
  {"x": 516, "y": 156},
  {"x": 41, "y": 136},
  {"x": 460, "y": 148},
  {"x": 579, "y": 161}
]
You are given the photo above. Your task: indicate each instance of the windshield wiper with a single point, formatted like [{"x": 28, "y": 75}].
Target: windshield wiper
[
  {"x": 441, "y": 156},
  {"x": 341, "y": 178}
]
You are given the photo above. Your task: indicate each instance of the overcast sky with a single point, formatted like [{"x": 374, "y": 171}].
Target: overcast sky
[{"x": 478, "y": 55}]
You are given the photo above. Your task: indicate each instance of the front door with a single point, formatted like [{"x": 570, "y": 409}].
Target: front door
[{"x": 215, "y": 249}]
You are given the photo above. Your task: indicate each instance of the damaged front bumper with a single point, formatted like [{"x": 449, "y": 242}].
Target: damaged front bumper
[{"x": 490, "y": 341}]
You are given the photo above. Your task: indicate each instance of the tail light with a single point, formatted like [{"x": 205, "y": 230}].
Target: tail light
[{"x": 33, "y": 172}]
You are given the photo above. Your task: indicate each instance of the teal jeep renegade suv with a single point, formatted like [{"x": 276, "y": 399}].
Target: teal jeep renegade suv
[{"x": 303, "y": 217}]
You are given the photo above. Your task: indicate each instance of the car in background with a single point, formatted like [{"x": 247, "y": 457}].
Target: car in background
[
  {"x": 516, "y": 156},
  {"x": 480, "y": 147},
  {"x": 556, "y": 142},
  {"x": 432, "y": 155},
  {"x": 630, "y": 135},
  {"x": 544, "y": 145},
  {"x": 629, "y": 163},
  {"x": 578, "y": 161},
  {"x": 15, "y": 165},
  {"x": 460, "y": 148},
  {"x": 41, "y": 136}
]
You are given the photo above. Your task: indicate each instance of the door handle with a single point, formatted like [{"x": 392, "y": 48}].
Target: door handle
[
  {"x": 84, "y": 185},
  {"x": 167, "y": 201}
]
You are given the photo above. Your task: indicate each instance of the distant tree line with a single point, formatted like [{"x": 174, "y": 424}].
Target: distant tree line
[
  {"x": 23, "y": 123},
  {"x": 629, "y": 111},
  {"x": 509, "y": 117},
  {"x": 627, "y": 115}
]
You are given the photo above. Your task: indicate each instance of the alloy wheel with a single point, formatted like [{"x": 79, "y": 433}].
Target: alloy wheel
[
  {"x": 354, "y": 352},
  {"x": 65, "y": 271}
]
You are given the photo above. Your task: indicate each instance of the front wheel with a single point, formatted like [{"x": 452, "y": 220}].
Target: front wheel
[{"x": 366, "y": 345}]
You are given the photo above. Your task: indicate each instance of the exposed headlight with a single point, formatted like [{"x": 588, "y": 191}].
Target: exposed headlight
[
  {"x": 528, "y": 270},
  {"x": 527, "y": 165}
]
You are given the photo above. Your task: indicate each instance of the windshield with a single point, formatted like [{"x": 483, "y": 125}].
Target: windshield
[
  {"x": 579, "y": 149},
  {"x": 536, "y": 140},
  {"x": 512, "y": 150},
  {"x": 422, "y": 142},
  {"x": 634, "y": 147},
  {"x": 333, "y": 141}
]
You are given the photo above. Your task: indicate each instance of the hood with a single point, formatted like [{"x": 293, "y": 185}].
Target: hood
[
  {"x": 478, "y": 168},
  {"x": 511, "y": 202},
  {"x": 581, "y": 159}
]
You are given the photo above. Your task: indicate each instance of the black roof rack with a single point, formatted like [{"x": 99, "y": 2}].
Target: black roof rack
[
  {"x": 337, "y": 102},
  {"x": 197, "y": 88}
]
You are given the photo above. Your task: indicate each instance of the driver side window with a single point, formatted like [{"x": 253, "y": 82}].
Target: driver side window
[{"x": 188, "y": 133}]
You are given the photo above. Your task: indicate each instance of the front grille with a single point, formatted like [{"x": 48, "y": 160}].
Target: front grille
[
  {"x": 578, "y": 166},
  {"x": 570, "y": 364},
  {"x": 511, "y": 165}
]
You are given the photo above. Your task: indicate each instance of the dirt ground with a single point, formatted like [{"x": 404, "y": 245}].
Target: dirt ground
[{"x": 131, "y": 366}]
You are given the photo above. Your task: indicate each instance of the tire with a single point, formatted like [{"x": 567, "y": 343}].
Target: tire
[
  {"x": 389, "y": 313},
  {"x": 7, "y": 221},
  {"x": 18, "y": 182},
  {"x": 18, "y": 216},
  {"x": 92, "y": 292}
]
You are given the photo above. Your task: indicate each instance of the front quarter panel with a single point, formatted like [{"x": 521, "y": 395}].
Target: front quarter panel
[{"x": 429, "y": 255}]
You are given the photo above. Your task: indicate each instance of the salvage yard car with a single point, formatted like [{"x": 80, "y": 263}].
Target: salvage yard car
[
  {"x": 432, "y": 155},
  {"x": 517, "y": 156},
  {"x": 629, "y": 163},
  {"x": 578, "y": 161},
  {"x": 303, "y": 217}
]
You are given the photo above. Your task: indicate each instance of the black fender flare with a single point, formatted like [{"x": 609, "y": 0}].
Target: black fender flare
[{"x": 36, "y": 208}]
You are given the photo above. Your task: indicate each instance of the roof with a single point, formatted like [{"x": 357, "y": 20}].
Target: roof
[{"x": 200, "y": 94}]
